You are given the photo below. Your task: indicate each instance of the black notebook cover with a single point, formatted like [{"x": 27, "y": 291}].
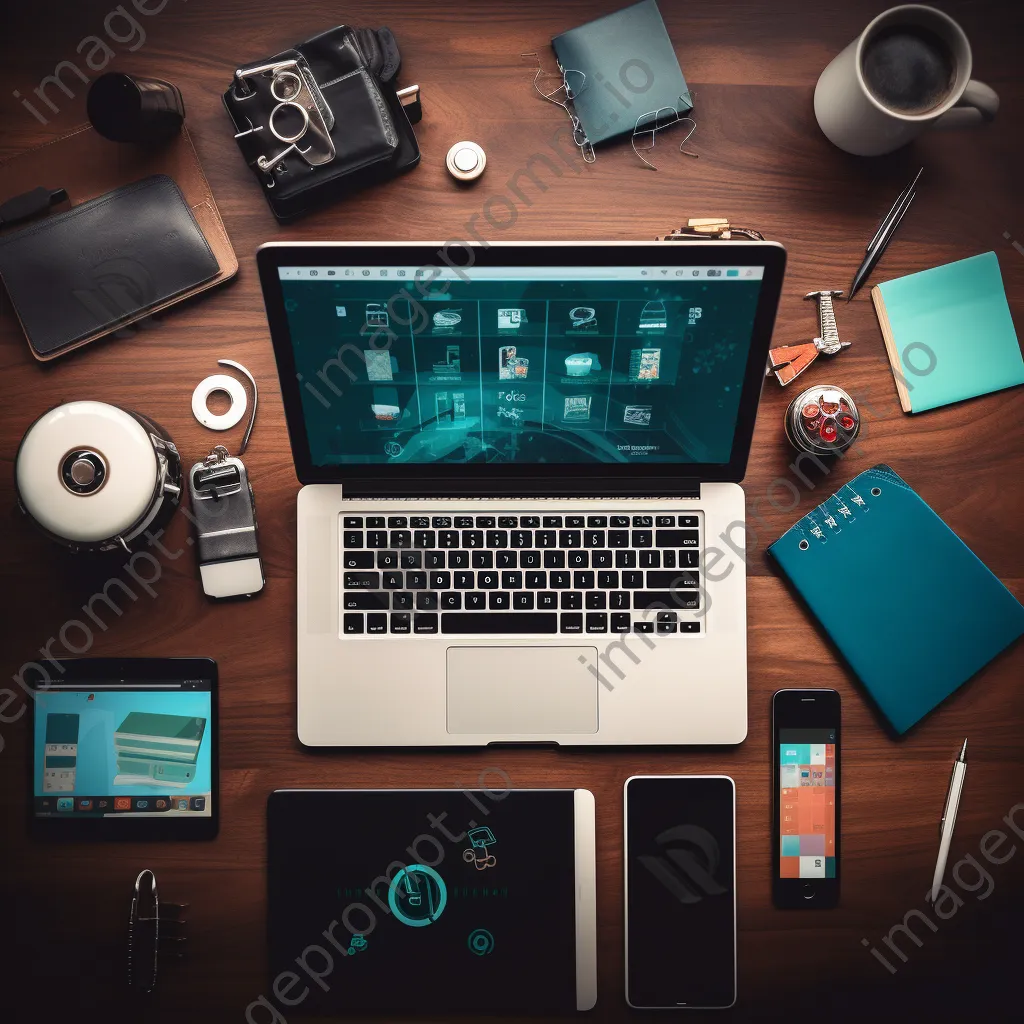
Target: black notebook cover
[{"x": 97, "y": 266}]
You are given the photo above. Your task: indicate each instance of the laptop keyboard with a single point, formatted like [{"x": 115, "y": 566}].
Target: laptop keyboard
[{"x": 520, "y": 574}]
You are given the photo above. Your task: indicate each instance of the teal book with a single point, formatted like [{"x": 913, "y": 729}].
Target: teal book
[
  {"x": 948, "y": 333},
  {"x": 621, "y": 67},
  {"x": 913, "y": 611}
]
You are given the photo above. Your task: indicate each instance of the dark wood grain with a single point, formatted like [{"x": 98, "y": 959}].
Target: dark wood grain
[{"x": 762, "y": 162}]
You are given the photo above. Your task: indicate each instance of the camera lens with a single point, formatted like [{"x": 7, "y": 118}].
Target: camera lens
[{"x": 285, "y": 86}]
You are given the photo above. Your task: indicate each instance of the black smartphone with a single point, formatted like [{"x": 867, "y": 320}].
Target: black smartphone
[
  {"x": 680, "y": 866},
  {"x": 805, "y": 794}
]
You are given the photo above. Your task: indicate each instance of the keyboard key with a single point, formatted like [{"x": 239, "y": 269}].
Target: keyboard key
[
  {"x": 512, "y": 580},
  {"x": 424, "y": 623},
  {"x": 529, "y": 559},
  {"x": 508, "y": 522},
  {"x": 596, "y": 600},
  {"x": 625, "y": 559},
  {"x": 475, "y": 601},
  {"x": 570, "y": 538},
  {"x": 667, "y": 627},
  {"x": 668, "y": 559},
  {"x": 665, "y": 521},
  {"x": 618, "y": 538},
  {"x": 560, "y": 578},
  {"x": 689, "y": 559},
  {"x": 424, "y": 539},
  {"x": 416, "y": 580},
  {"x": 358, "y": 560},
  {"x": 600, "y": 559},
  {"x": 571, "y": 600},
  {"x": 674, "y": 578},
  {"x": 643, "y": 522},
  {"x": 377, "y": 623},
  {"x": 401, "y": 539},
  {"x": 676, "y": 538},
  {"x": 578, "y": 560},
  {"x": 547, "y": 599},
  {"x": 583, "y": 579},
  {"x": 544, "y": 538},
  {"x": 419, "y": 522},
  {"x": 377, "y": 539},
  {"x": 435, "y": 560},
  {"x": 448, "y": 539},
  {"x": 529, "y": 522},
  {"x": 426, "y": 602},
  {"x": 458, "y": 559},
  {"x": 393, "y": 580},
  {"x": 633, "y": 579},
  {"x": 574, "y": 522},
  {"x": 451, "y": 601},
  {"x": 487, "y": 579},
  {"x": 472, "y": 538},
  {"x": 552, "y": 521},
  {"x": 506, "y": 622},
  {"x": 642, "y": 538},
  {"x": 505, "y": 559},
  {"x": 353, "y": 622},
  {"x": 353, "y": 522},
  {"x": 689, "y": 521},
  {"x": 521, "y": 538},
  {"x": 653, "y": 598},
  {"x": 499, "y": 600},
  {"x": 397, "y": 522},
  {"x": 608, "y": 579},
  {"x": 593, "y": 538},
  {"x": 597, "y": 522},
  {"x": 440, "y": 580},
  {"x": 441, "y": 522},
  {"x": 359, "y": 601},
  {"x": 464, "y": 522},
  {"x": 497, "y": 538},
  {"x": 375, "y": 522},
  {"x": 523, "y": 600},
  {"x": 597, "y": 622},
  {"x": 362, "y": 581},
  {"x": 482, "y": 559},
  {"x": 400, "y": 622},
  {"x": 620, "y": 622},
  {"x": 411, "y": 559},
  {"x": 536, "y": 580},
  {"x": 401, "y": 601},
  {"x": 353, "y": 539},
  {"x": 464, "y": 580},
  {"x": 554, "y": 559},
  {"x": 689, "y": 627},
  {"x": 387, "y": 559},
  {"x": 572, "y": 622},
  {"x": 642, "y": 626},
  {"x": 618, "y": 600},
  {"x": 650, "y": 559},
  {"x": 620, "y": 521},
  {"x": 668, "y": 617}
]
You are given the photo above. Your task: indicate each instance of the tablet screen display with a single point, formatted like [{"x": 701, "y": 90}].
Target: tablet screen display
[{"x": 426, "y": 901}]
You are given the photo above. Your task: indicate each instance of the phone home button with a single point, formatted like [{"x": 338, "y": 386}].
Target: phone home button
[{"x": 807, "y": 891}]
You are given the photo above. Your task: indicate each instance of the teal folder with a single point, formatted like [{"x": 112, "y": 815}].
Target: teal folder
[
  {"x": 621, "y": 67},
  {"x": 914, "y": 612},
  {"x": 948, "y": 333}
]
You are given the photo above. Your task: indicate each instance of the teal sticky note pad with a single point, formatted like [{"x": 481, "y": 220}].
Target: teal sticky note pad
[{"x": 952, "y": 330}]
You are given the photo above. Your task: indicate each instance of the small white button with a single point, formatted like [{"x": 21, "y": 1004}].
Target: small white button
[{"x": 466, "y": 161}]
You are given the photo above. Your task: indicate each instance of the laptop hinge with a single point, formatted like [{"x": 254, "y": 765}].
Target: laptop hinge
[{"x": 434, "y": 487}]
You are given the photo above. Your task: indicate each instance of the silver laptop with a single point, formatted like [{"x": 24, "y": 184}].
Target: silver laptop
[{"x": 521, "y": 518}]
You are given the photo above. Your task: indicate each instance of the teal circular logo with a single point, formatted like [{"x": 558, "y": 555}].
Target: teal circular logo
[{"x": 417, "y": 895}]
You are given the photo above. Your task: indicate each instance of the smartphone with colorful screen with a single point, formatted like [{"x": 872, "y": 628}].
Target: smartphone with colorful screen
[{"x": 806, "y": 787}]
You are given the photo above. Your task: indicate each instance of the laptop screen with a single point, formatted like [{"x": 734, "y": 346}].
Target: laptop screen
[{"x": 519, "y": 364}]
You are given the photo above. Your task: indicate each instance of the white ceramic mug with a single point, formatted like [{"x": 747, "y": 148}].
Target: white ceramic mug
[{"x": 854, "y": 119}]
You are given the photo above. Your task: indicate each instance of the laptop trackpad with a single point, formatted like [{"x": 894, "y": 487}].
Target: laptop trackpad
[{"x": 514, "y": 691}]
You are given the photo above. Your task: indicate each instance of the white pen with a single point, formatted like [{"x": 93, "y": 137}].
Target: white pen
[{"x": 956, "y": 785}]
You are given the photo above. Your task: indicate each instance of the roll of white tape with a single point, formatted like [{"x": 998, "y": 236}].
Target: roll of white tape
[{"x": 219, "y": 382}]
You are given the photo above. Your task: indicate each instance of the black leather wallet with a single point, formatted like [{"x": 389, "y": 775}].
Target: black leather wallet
[
  {"x": 356, "y": 131},
  {"x": 85, "y": 272}
]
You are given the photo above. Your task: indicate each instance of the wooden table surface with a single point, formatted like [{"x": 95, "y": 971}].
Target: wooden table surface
[{"x": 762, "y": 162}]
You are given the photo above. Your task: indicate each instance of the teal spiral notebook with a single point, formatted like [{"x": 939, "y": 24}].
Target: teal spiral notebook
[{"x": 912, "y": 609}]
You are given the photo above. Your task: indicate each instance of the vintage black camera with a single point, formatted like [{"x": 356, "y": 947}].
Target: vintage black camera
[{"x": 324, "y": 118}]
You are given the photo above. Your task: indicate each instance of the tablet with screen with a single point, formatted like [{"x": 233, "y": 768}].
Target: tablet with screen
[
  {"x": 431, "y": 900},
  {"x": 126, "y": 747}
]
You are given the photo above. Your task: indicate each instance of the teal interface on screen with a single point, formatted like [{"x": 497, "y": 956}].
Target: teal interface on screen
[{"x": 521, "y": 365}]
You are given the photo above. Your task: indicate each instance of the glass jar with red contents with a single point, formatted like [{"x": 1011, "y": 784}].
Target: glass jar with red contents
[{"x": 822, "y": 420}]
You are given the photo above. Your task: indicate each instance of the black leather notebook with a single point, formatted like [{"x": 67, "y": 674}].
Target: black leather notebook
[{"x": 83, "y": 273}]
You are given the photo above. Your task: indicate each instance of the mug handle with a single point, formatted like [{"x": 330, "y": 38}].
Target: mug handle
[{"x": 977, "y": 105}]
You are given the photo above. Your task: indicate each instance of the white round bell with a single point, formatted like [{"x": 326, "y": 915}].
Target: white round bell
[{"x": 94, "y": 476}]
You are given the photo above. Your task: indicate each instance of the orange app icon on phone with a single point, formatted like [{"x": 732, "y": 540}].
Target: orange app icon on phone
[{"x": 122, "y": 803}]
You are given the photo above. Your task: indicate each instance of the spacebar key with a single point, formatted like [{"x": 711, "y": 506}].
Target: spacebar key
[{"x": 499, "y": 622}]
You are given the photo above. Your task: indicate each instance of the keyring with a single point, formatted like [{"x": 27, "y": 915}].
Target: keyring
[
  {"x": 305, "y": 122},
  {"x": 290, "y": 81}
]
